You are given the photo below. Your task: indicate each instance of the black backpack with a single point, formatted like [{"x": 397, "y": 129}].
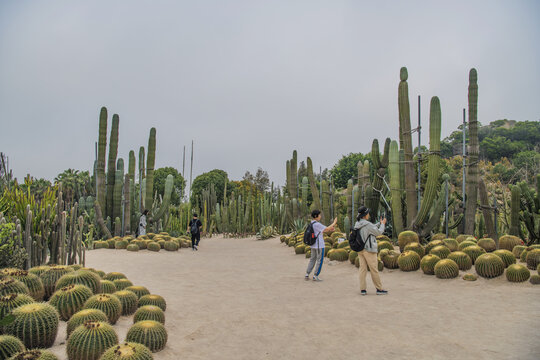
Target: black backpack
[
  {"x": 355, "y": 240},
  {"x": 194, "y": 227},
  {"x": 309, "y": 235}
]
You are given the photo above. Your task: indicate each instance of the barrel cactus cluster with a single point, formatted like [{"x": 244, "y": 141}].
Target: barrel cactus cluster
[
  {"x": 459, "y": 254},
  {"x": 152, "y": 242},
  {"x": 90, "y": 301}
]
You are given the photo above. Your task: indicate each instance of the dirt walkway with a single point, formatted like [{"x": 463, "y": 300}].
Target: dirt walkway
[{"x": 247, "y": 299}]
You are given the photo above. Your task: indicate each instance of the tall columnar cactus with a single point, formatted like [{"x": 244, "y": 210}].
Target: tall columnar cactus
[
  {"x": 90, "y": 340},
  {"x": 142, "y": 175},
  {"x": 471, "y": 187},
  {"x": 395, "y": 187},
  {"x": 151, "y": 158},
  {"x": 305, "y": 185},
  {"x": 405, "y": 143},
  {"x": 164, "y": 208},
  {"x": 111, "y": 166},
  {"x": 288, "y": 169},
  {"x": 380, "y": 165},
  {"x": 118, "y": 184},
  {"x": 531, "y": 211},
  {"x": 514, "y": 211},
  {"x": 432, "y": 184},
  {"x": 100, "y": 164},
  {"x": 349, "y": 197},
  {"x": 294, "y": 176},
  {"x": 35, "y": 324},
  {"x": 313, "y": 185},
  {"x": 326, "y": 216}
]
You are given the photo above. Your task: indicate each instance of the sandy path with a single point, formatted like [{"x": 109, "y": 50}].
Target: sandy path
[{"x": 246, "y": 299}]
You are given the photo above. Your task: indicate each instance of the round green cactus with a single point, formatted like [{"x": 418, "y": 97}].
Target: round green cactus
[
  {"x": 13, "y": 301},
  {"x": 121, "y": 284},
  {"x": 129, "y": 301},
  {"x": 35, "y": 324},
  {"x": 507, "y": 242},
  {"x": 343, "y": 244},
  {"x": 9, "y": 285},
  {"x": 51, "y": 276},
  {"x": 90, "y": 340},
  {"x": 441, "y": 251},
  {"x": 535, "y": 279},
  {"x": 32, "y": 282},
  {"x": 438, "y": 236},
  {"x": 451, "y": 244},
  {"x": 489, "y": 266},
  {"x": 463, "y": 260},
  {"x": 107, "y": 287},
  {"x": 409, "y": 261},
  {"x": 506, "y": 256},
  {"x": 132, "y": 247},
  {"x": 70, "y": 299},
  {"x": 38, "y": 270},
  {"x": 153, "y": 246},
  {"x": 149, "y": 312},
  {"x": 487, "y": 244},
  {"x": 114, "y": 276},
  {"x": 308, "y": 253},
  {"x": 153, "y": 300},
  {"x": 523, "y": 256},
  {"x": 517, "y": 273},
  {"x": 9, "y": 346},
  {"x": 83, "y": 316},
  {"x": 384, "y": 245},
  {"x": 128, "y": 351},
  {"x": 108, "y": 303},
  {"x": 299, "y": 249},
  {"x": 81, "y": 277},
  {"x": 151, "y": 334},
  {"x": 533, "y": 259},
  {"x": 170, "y": 246},
  {"x": 433, "y": 244},
  {"x": 75, "y": 267},
  {"x": 470, "y": 277},
  {"x": 390, "y": 260},
  {"x": 111, "y": 243},
  {"x": 428, "y": 262},
  {"x": 474, "y": 252},
  {"x": 339, "y": 255},
  {"x": 518, "y": 249},
  {"x": 357, "y": 262},
  {"x": 538, "y": 269},
  {"x": 462, "y": 237},
  {"x": 121, "y": 244},
  {"x": 416, "y": 247},
  {"x": 138, "y": 290},
  {"x": 465, "y": 244},
  {"x": 352, "y": 256},
  {"x": 446, "y": 269},
  {"x": 34, "y": 354},
  {"x": 407, "y": 237}
]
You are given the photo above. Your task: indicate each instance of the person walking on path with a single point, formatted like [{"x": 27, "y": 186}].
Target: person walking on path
[
  {"x": 142, "y": 224},
  {"x": 194, "y": 228},
  {"x": 368, "y": 256},
  {"x": 317, "y": 249}
]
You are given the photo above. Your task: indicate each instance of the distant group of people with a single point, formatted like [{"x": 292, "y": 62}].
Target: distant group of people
[
  {"x": 367, "y": 257},
  {"x": 194, "y": 228}
]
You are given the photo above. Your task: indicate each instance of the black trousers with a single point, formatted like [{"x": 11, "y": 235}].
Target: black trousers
[{"x": 195, "y": 238}]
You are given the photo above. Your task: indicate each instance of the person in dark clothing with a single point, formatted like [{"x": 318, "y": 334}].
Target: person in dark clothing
[{"x": 194, "y": 228}]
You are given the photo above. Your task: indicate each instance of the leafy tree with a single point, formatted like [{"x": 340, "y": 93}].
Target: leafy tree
[
  {"x": 74, "y": 184},
  {"x": 261, "y": 180},
  {"x": 528, "y": 162},
  {"x": 345, "y": 169},
  {"x": 179, "y": 183},
  {"x": 203, "y": 181}
]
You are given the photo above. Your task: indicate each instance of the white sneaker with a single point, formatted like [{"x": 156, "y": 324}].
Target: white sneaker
[{"x": 316, "y": 278}]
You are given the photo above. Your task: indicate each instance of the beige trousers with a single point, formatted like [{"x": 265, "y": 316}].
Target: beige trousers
[{"x": 369, "y": 259}]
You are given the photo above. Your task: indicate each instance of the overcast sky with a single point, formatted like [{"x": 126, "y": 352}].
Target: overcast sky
[{"x": 251, "y": 80}]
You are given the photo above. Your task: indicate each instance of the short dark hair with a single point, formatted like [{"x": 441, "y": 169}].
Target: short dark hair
[
  {"x": 315, "y": 213},
  {"x": 195, "y": 215},
  {"x": 145, "y": 212}
]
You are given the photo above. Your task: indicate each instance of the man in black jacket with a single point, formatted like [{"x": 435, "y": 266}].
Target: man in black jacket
[{"x": 194, "y": 228}]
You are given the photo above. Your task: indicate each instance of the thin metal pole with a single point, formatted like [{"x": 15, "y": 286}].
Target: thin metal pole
[
  {"x": 95, "y": 168},
  {"x": 464, "y": 167},
  {"x": 419, "y": 155},
  {"x": 191, "y": 172},
  {"x": 495, "y": 215},
  {"x": 184, "y": 163},
  {"x": 446, "y": 206}
]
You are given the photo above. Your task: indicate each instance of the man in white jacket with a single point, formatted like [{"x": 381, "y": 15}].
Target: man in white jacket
[{"x": 368, "y": 256}]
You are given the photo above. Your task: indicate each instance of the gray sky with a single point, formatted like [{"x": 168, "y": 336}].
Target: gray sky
[{"x": 250, "y": 81}]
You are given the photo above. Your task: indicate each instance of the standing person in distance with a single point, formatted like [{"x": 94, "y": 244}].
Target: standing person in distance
[
  {"x": 317, "y": 249},
  {"x": 368, "y": 256},
  {"x": 194, "y": 228},
  {"x": 141, "y": 230}
]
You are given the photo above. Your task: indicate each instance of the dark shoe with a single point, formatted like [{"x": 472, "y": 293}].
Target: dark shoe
[
  {"x": 382, "y": 292},
  {"x": 306, "y": 277},
  {"x": 363, "y": 292}
]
